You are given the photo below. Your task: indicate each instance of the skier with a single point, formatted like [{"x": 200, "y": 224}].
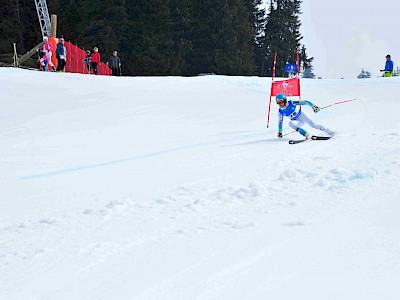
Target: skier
[{"x": 298, "y": 118}]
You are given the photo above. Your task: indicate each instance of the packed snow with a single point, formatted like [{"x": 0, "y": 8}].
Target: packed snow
[{"x": 174, "y": 188}]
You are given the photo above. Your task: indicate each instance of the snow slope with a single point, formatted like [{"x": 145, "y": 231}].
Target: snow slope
[{"x": 173, "y": 188}]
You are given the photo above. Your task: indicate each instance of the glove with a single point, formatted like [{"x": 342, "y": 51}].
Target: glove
[
  {"x": 61, "y": 56},
  {"x": 279, "y": 134},
  {"x": 316, "y": 108}
]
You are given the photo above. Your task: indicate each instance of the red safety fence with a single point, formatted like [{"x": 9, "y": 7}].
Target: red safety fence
[{"x": 75, "y": 59}]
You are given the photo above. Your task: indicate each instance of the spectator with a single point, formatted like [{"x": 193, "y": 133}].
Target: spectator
[
  {"x": 61, "y": 54},
  {"x": 388, "y": 67},
  {"x": 87, "y": 60},
  {"x": 95, "y": 60},
  {"x": 115, "y": 64},
  {"x": 46, "y": 59}
]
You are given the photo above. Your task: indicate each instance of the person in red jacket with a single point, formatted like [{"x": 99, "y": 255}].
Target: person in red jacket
[{"x": 95, "y": 60}]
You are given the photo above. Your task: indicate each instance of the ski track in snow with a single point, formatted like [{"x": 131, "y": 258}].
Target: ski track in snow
[{"x": 139, "y": 157}]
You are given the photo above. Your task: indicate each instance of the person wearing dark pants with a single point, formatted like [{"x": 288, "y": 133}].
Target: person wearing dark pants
[
  {"x": 61, "y": 54},
  {"x": 87, "y": 60},
  {"x": 95, "y": 60},
  {"x": 115, "y": 64}
]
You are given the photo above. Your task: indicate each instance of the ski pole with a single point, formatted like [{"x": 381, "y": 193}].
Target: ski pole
[
  {"x": 289, "y": 133},
  {"x": 340, "y": 102}
]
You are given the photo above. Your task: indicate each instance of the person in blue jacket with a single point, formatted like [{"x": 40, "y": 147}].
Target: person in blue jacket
[
  {"x": 61, "y": 54},
  {"x": 292, "y": 110},
  {"x": 87, "y": 60},
  {"x": 388, "y": 66}
]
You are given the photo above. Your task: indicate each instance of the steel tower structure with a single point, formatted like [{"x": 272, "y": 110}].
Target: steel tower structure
[{"x": 44, "y": 19}]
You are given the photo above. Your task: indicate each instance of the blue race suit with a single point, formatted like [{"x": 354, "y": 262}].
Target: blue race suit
[{"x": 298, "y": 118}]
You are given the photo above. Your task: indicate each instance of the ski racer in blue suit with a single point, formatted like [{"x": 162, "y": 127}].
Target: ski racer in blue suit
[{"x": 292, "y": 110}]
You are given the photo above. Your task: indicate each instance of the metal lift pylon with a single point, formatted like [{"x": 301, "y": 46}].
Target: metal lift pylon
[{"x": 44, "y": 18}]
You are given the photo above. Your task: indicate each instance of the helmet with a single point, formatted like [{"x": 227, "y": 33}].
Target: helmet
[
  {"x": 45, "y": 38},
  {"x": 281, "y": 97}
]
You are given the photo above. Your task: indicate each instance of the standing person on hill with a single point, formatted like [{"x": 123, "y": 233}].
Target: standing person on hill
[
  {"x": 95, "y": 60},
  {"x": 292, "y": 109},
  {"x": 61, "y": 54},
  {"x": 87, "y": 60},
  {"x": 115, "y": 64},
  {"x": 388, "y": 67},
  {"x": 46, "y": 59}
]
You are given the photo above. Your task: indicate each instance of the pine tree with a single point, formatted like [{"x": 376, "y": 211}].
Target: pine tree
[
  {"x": 258, "y": 21},
  {"x": 235, "y": 53},
  {"x": 364, "y": 74},
  {"x": 308, "y": 73},
  {"x": 216, "y": 37},
  {"x": 10, "y": 25},
  {"x": 282, "y": 35},
  {"x": 206, "y": 25},
  {"x": 182, "y": 33},
  {"x": 305, "y": 61},
  {"x": 19, "y": 24}
]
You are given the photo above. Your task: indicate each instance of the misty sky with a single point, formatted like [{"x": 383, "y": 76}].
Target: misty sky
[{"x": 346, "y": 36}]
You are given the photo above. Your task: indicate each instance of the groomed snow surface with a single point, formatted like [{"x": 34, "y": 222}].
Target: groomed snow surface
[{"x": 174, "y": 188}]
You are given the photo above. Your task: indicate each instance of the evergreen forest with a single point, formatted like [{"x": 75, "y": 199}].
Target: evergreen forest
[{"x": 168, "y": 37}]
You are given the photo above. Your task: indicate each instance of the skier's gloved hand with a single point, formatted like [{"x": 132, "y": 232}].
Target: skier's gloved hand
[
  {"x": 280, "y": 134},
  {"x": 316, "y": 108}
]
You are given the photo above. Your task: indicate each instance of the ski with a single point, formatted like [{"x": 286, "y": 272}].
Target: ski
[
  {"x": 296, "y": 141},
  {"x": 320, "y": 138},
  {"x": 313, "y": 137}
]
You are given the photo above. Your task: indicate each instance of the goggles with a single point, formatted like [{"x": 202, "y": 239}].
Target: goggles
[{"x": 279, "y": 102}]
